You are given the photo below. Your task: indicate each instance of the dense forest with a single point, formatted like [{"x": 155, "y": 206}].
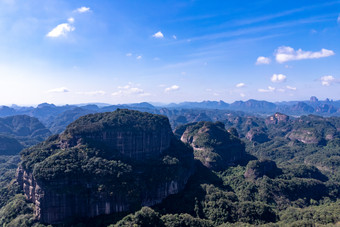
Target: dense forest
[{"x": 274, "y": 170}]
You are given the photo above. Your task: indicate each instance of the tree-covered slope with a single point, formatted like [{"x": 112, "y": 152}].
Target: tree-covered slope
[{"x": 27, "y": 130}]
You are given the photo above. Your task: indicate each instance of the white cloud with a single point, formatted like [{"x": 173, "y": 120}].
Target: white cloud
[
  {"x": 60, "y": 30},
  {"x": 338, "y": 20},
  {"x": 172, "y": 88},
  {"x": 83, "y": 9},
  {"x": 291, "y": 88},
  {"x": 91, "y": 93},
  {"x": 128, "y": 54},
  {"x": 270, "y": 89},
  {"x": 139, "y": 57},
  {"x": 285, "y": 53},
  {"x": 281, "y": 90},
  {"x": 262, "y": 61},
  {"x": 240, "y": 85},
  {"x": 242, "y": 95},
  {"x": 58, "y": 90},
  {"x": 174, "y": 37},
  {"x": 70, "y": 20},
  {"x": 328, "y": 80},
  {"x": 129, "y": 89},
  {"x": 278, "y": 78},
  {"x": 158, "y": 35}
]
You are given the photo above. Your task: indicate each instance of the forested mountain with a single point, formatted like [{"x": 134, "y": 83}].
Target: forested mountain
[
  {"x": 274, "y": 170},
  {"x": 22, "y": 129}
]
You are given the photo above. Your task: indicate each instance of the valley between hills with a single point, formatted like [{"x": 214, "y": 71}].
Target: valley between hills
[{"x": 190, "y": 164}]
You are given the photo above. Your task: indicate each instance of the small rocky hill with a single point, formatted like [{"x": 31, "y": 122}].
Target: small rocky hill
[{"x": 214, "y": 146}]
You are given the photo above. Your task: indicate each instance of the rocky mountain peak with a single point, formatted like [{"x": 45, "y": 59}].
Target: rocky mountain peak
[{"x": 276, "y": 119}]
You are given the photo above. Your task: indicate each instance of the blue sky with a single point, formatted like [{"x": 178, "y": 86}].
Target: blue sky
[{"x": 127, "y": 51}]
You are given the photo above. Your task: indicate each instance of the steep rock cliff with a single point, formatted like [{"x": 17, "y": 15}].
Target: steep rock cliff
[{"x": 102, "y": 164}]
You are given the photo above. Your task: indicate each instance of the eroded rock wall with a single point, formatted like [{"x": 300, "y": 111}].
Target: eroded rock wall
[{"x": 54, "y": 206}]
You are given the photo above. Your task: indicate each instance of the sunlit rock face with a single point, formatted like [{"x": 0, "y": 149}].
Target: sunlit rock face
[{"x": 102, "y": 164}]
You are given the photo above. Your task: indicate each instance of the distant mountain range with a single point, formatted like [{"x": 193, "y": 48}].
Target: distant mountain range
[
  {"x": 56, "y": 118},
  {"x": 326, "y": 107}
]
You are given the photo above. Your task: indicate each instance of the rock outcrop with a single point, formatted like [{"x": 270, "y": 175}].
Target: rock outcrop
[
  {"x": 214, "y": 146},
  {"x": 257, "y": 135},
  {"x": 102, "y": 164},
  {"x": 276, "y": 119}
]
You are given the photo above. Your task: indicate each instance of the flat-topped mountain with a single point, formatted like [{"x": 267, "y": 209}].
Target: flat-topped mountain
[{"x": 104, "y": 163}]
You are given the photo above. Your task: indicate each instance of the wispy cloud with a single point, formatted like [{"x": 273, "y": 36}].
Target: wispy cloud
[
  {"x": 281, "y": 14},
  {"x": 158, "y": 35},
  {"x": 328, "y": 80},
  {"x": 128, "y": 54},
  {"x": 286, "y": 53},
  {"x": 239, "y": 85},
  {"x": 257, "y": 29},
  {"x": 291, "y": 88},
  {"x": 262, "y": 61},
  {"x": 83, "y": 9},
  {"x": 270, "y": 89},
  {"x": 61, "y": 30},
  {"x": 91, "y": 93},
  {"x": 139, "y": 57},
  {"x": 70, "y": 20},
  {"x": 174, "y": 37},
  {"x": 278, "y": 78},
  {"x": 338, "y": 20},
  {"x": 128, "y": 90},
  {"x": 172, "y": 88},
  {"x": 58, "y": 90}
]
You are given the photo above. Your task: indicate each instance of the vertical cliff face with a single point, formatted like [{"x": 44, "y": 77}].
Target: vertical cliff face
[
  {"x": 103, "y": 164},
  {"x": 137, "y": 145}
]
